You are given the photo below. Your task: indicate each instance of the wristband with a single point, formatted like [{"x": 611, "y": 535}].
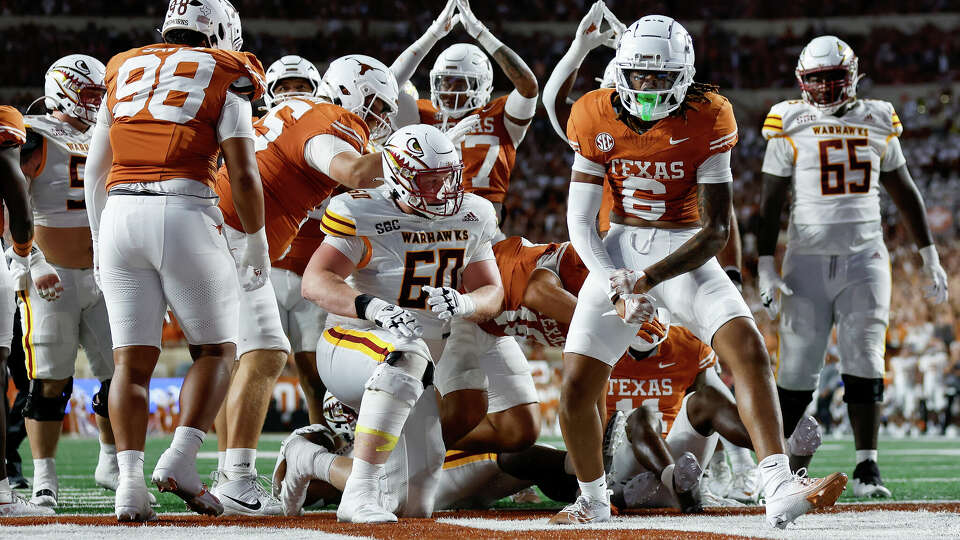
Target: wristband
[
  {"x": 488, "y": 41},
  {"x": 360, "y": 304},
  {"x": 929, "y": 255}
]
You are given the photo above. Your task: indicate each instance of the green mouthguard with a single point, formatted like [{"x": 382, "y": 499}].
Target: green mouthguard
[{"x": 647, "y": 102}]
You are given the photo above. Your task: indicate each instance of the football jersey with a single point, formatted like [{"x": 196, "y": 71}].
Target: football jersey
[
  {"x": 12, "y": 130},
  {"x": 488, "y": 153},
  {"x": 652, "y": 175},
  {"x": 404, "y": 252},
  {"x": 291, "y": 187},
  {"x": 56, "y": 184},
  {"x": 835, "y": 163},
  {"x": 307, "y": 241},
  {"x": 659, "y": 381},
  {"x": 166, "y": 102},
  {"x": 518, "y": 259}
]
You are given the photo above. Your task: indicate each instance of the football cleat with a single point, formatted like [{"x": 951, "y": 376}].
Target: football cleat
[
  {"x": 177, "y": 474},
  {"x": 132, "y": 503},
  {"x": 686, "y": 483},
  {"x": 107, "y": 476},
  {"x": 45, "y": 497},
  {"x": 641, "y": 489},
  {"x": 867, "y": 481},
  {"x": 745, "y": 486},
  {"x": 582, "y": 511},
  {"x": 19, "y": 507},
  {"x": 526, "y": 496},
  {"x": 711, "y": 500},
  {"x": 806, "y": 437},
  {"x": 245, "y": 496},
  {"x": 290, "y": 484},
  {"x": 361, "y": 504},
  {"x": 801, "y": 494},
  {"x": 721, "y": 476}
]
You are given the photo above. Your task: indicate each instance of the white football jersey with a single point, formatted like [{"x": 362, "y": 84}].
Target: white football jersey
[
  {"x": 835, "y": 163},
  {"x": 56, "y": 191},
  {"x": 397, "y": 254}
]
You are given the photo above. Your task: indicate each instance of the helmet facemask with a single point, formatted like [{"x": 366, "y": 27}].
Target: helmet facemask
[
  {"x": 829, "y": 87},
  {"x": 652, "y": 90},
  {"x": 378, "y": 112},
  {"x": 455, "y": 93},
  {"x": 432, "y": 191}
]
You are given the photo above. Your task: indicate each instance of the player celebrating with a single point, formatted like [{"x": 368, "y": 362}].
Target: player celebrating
[
  {"x": 663, "y": 144},
  {"x": 163, "y": 243},
  {"x": 417, "y": 243},
  {"x": 27, "y": 261},
  {"x": 831, "y": 149},
  {"x": 306, "y": 148}
]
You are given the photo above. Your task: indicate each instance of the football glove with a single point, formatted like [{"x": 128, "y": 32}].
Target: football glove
[
  {"x": 253, "y": 267},
  {"x": 35, "y": 265},
  {"x": 445, "y": 21},
  {"x": 394, "y": 319},
  {"x": 447, "y": 303},
  {"x": 622, "y": 281},
  {"x": 589, "y": 36},
  {"x": 459, "y": 132},
  {"x": 936, "y": 288},
  {"x": 769, "y": 282},
  {"x": 470, "y": 22},
  {"x": 651, "y": 334},
  {"x": 638, "y": 308}
]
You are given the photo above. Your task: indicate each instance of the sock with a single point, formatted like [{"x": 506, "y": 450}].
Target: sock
[
  {"x": 774, "y": 472},
  {"x": 363, "y": 477},
  {"x": 108, "y": 454},
  {"x": 6, "y": 494},
  {"x": 321, "y": 465},
  {"x": 740, "y": 459},
  {"x": 719, "y": 457},
  {"x": 596, "y": 490},
  {"x": 44, "y": 474},
  {"x": 240, "y": 462},
  {"x": 187, "y": 441},
  {"x": 221, "y": 460},
  {"x": 131, "y": 465},
  {"x": 863, "y": 455},
  {"x": 666, "y": 478}
]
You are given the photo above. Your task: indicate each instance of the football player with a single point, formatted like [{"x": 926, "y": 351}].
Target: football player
[
  {"x": 663, "y": 143},
  {"x": 53, "y": 160},
  {"x": 833, "y": 151},
  {"x": 170, "y": 108},
  {"x": 461, "y": 82},
  {"x": 416, "y": 241},
  {"x": 13, "y": 190},
  {"x": 306, "y": 147}
]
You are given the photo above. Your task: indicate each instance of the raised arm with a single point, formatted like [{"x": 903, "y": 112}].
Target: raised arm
[
  {"x": 512, "y": 65},
  {"x": 406, "y": 64}
]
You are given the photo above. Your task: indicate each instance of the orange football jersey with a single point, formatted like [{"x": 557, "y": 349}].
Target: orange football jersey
[
  {"x": 517, "y": 262},
  {"x": 166, "y": 101},
  {"x": 652, "y": 175},
  {"x": 301, "y": 249},
  {"x": 291, "y": 187},
  {"x": 488, "y": 153},
  {"x": 659, "y": 381},
  {"x": 12, "y": 129}
]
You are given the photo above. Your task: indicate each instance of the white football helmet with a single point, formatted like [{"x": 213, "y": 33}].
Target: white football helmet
[
  {"x": 659, "y": 44},
  {"x": 641, "y": 345},
  {"x": 355, "y": 82},
  {"x": 341, "y": 419},
  {"x": 217, "y": 20},
  {"x": 609, "y": 79},
  {"x": 836, "y": 65},
  {"x": 411, "y": 90},
  {"x": 74, "y": 86},
  {"x": 461, "y": 80},
  {"x": 423, "y": 168},
  {"x": 290, "y": 67}
]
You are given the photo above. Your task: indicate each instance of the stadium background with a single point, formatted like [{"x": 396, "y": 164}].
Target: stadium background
[{"x": 909, "y": 53}]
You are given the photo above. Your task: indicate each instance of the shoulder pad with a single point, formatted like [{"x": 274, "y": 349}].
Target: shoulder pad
[
  {"x": 12, "y": 130},
  {"x": 882, "y": 115},
  {"x": 786, "y": 116},
  {"x": 338, "y": 218}
]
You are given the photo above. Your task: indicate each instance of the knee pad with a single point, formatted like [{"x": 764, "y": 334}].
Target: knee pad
[
  {"x": 395, "y": 382},
  {"x": 861, "y": 390},
  {"x": 793, "y": 403},
  {"x": 47, "y": 409},
  {"x": 101, "y": 399}
]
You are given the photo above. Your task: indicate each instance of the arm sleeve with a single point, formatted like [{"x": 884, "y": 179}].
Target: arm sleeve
[
  {"x": 99, "y": 162},
  {"x": 715, "y": 169},
  {"x": 893, "y": 157},
  {"x": 236, "y": 119},
  {"x": 321, "y": 149},
  {"x": 406, "y": 64},
  {"x": 568, "y": 64},
  {"x": 352, "y": 247},
  {"x": 582, "y": 207},
  {"x": 584, "y": 165},
  {"x": 780, "y": 157},
  {"x": 521, "y": 108}
]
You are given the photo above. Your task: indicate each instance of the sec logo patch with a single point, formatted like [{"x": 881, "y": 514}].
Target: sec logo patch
[{"x": 604, "y": 142}]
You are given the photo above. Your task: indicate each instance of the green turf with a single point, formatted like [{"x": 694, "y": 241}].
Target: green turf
[{"x": 919, "y": 469}]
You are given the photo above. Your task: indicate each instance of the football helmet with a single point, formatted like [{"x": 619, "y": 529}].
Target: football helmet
[
  {"x": 461, "y": 80},
  {"x": 659, "y": 46},
  {"x": 289, "y": 67},
  {"x": 609, "y": 79},
  {"x": 74, "y": 86},
  {"x": 341, "y": 419},
  {"x": 217, "y": 20},
  {"x": 827, "y": 73},
  {"x": 422, "y": 167},
  {"x": 640, "y": 343},
  {"x": 355, "y": 82}
]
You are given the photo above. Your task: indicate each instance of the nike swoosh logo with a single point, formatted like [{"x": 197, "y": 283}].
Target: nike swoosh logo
[
  {"x": 662, "y": 365},
  {"x": 245, "y": 505},
  {"x": 678, "y": 141}
]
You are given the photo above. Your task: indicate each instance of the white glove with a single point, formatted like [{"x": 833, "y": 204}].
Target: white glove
[
  {"x": 445, "y": 21},
  {"x": 769, "y": 281},
  {"x": 622, "y": 281},
  {"x": 459, "y": 132},
  {"x": 618, "y": 27},
  {"x": 44, "y": 276},
  {"x": 470, "y": 22},
  {"x": 395, "y": 319},
  {"x": 936, "y": 288},
  {"x": 448, "y": 303},
  {"x": 638, "y": 308},
  {"x": 589, "y": 36},
  {"x": 253, "y": 266}
]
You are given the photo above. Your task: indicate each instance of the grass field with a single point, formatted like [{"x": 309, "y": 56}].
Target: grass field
[{"x": 914, "y": 470}]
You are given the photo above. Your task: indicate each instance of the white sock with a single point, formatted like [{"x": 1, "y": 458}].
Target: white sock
[
  {"x": 108, "y": 453},
  {"x": 666, "y": 478},
  {"x": 740, "y": 459},
  {"x": 187, "y": 441},
  {"x": 45, "y": 474},
  {"x": 6, "y": 494},
  {"x": 719, "y": 457},
  {"x": 221, "y": 460},
  {"x": 131, "y": 464},
  {"x": 774, "y": 472},
  {"x": 596, "y": 490},
  {"x": 240, "y": 462},
  {"x": 863, "y": 455},
  {"x": 363, "y": 474},
  {"x": 321, "y": 465}
]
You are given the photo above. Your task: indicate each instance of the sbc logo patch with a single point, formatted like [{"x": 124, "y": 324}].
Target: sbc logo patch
[{"x": 604, "y": 142}]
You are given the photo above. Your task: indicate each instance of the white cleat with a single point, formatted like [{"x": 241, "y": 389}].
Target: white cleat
[
  {"x": 583, "y": 511},
  {"x": 745, "y": 486},
  {"x": 289, "y": 483},
  {"x": 363, "y": 507},
  {"x": 806, "y": 437},
  {"x": 721, "y": 477},
  {"x": 710, "y": 500},
  {"x": 45, "y": 496},
  {"x": 802, "y": 494},
  {"x": 107, "y": 476},
  {"x": 245, "y": 496},
  {"x": 132, "y": 503},
  {"x": 867, "y": 481},
  {"x": 177, "y": 474},
  {"x": 20, "y": 507}
]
